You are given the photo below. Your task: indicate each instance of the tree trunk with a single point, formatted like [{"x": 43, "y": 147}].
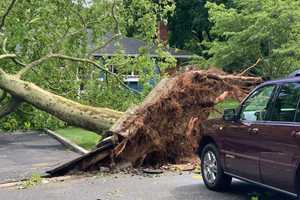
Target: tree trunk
[{"x": 91, "y": 118}]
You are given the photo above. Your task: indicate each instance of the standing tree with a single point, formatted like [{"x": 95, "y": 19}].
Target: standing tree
[
  {"x": 190, "y": 26},
  {"x": 251, "y": 31}
]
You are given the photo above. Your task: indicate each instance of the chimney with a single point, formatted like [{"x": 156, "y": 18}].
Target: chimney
[{"x": 163, "y": 32}]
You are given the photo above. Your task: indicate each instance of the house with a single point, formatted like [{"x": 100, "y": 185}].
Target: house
[{"x": 130, "y": 47}]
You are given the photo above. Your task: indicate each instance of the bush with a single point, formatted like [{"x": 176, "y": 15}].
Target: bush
[{"x": 29, "y": 118}]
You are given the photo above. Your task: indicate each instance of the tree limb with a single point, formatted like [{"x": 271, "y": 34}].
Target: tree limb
[
  {"x": 5, "y": 56},
  {"x": 10, "y": 107},
  {"x": 31, "y": 65},
  {"x": 28, "y": 67},
  {"x": 15, "y": 60},
  {"x": 9, "y": 8},
  {"x": 251, "y": 67}
]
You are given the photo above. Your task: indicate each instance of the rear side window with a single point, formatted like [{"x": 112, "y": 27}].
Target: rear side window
[{"x": 285, "y": 106}]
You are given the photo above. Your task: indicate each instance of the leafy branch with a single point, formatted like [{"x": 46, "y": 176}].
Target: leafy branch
[{"x": 35, "y": 63}]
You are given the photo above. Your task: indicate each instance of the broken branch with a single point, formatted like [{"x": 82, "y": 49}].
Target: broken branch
[{"x": 251, "y": 67}]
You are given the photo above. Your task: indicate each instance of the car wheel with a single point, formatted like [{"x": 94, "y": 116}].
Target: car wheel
[{"x": 212, "y": 171}]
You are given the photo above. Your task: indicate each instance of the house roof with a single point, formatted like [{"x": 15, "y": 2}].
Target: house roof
[{"x": 132, "y": 46}]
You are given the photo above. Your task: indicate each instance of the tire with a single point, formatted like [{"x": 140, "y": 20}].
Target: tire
[{"x": 212, "y": 171}]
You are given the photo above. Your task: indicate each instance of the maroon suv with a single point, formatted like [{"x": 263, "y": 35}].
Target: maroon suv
[{"x": 258, "y": 142}]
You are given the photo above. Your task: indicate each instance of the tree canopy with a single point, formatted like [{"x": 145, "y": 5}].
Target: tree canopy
[
  {"x": 189, "y": 25},
  {"x": 254, "y": 30},
  {"x": 234, "y": 35}
]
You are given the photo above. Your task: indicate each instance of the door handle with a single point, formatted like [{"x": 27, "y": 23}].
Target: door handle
[
  {"x": 295, "y": 134},
  {"x": 252, "y": 131}
]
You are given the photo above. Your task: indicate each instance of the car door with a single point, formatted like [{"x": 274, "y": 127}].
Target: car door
[
  {"x": 241, "y": 147},
  {"x": 278, "y": 140}
]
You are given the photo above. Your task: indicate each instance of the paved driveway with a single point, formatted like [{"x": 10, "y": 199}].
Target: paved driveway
[
  {"x": 22, "y": 154},
  {"x": 126, "y": 187}
]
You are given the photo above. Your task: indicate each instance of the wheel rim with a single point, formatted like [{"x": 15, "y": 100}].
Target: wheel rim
[{"x": 210, "y": 167}]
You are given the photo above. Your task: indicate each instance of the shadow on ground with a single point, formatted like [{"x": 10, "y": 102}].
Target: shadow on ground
[{"x": 238, "y": 191}]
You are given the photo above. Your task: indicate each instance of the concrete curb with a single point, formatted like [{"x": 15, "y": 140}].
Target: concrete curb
[{"x": 66, "y": 142}]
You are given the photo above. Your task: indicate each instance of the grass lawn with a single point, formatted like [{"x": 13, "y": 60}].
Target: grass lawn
[
  {"x": 230, "y": 103},
  {"x": 81, "y": 137}
]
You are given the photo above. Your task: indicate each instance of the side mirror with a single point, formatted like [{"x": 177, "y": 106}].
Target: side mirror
[{"x": 229, "y": 115}]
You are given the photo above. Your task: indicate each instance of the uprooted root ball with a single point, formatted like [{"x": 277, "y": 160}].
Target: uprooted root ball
[{"x": 166, "y": 127}]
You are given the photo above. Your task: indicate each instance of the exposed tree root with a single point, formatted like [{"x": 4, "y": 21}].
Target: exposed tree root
[{"x": 165, "y": 128}]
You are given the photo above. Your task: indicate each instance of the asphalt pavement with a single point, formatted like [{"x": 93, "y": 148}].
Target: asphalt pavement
[
  {"x": 169, "y": 186},
  {"x": 24, "y": 154},
  {"x": 21, "y": 155}
]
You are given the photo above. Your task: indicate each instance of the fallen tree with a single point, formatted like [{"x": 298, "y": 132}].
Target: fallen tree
[{"x": 163, "y": 129}]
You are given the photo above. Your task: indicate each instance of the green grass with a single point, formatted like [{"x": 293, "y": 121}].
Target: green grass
[
  {"x": 228, "y": 104},
  {"x": 34, "y": 180},
  {"x": 81, "y": 137}
]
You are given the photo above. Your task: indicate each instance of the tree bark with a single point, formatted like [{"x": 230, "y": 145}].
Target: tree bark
[{"x": 91, "y": 118}]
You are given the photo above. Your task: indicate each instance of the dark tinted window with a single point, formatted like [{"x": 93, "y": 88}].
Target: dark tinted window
[
  {"x": 286, "y": 103},
  {"x": 256, "y": 106}
]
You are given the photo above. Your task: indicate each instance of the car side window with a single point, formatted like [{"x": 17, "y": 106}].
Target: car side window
[
  {"x": 256, "y": 106},
  {"x": 285, "y": 106}
]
